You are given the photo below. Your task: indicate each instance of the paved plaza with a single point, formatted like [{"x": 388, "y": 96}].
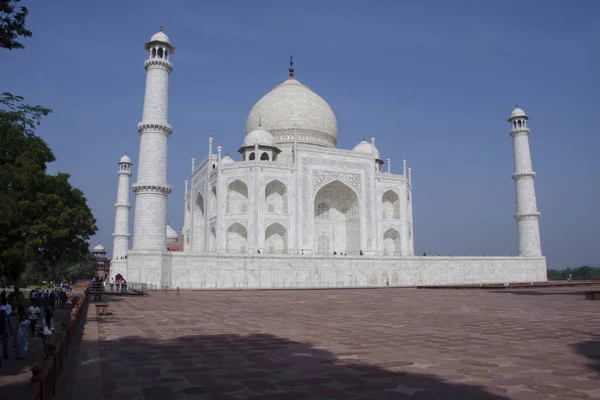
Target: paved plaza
[{"x": 387, "y": 343}]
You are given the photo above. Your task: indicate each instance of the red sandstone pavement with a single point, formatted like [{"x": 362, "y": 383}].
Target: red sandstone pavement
[{"x": 342, "y": 344}]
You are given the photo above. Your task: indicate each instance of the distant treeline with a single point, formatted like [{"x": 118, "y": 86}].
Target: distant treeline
[{"x": 585, "y": 272}]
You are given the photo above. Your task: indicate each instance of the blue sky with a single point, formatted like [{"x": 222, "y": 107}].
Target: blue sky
[{"x": 434, "y": 81}]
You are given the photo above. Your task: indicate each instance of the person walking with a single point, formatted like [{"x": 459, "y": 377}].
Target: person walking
[
  {"x": 22, "y": 337},
  {"x": 48, "y": 330},
  {"x": 33, "y": 312}
]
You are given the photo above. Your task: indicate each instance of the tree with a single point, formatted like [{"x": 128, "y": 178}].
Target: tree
[
  {"x": 12, "y": 24},
  {"x": 43, "y": 219}
]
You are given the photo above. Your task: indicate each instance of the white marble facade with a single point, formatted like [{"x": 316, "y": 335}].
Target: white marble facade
[
  {"x": 294, "y": 210},
  {"x": 326, "y": 200}
]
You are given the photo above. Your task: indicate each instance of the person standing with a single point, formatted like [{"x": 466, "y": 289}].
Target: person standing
[
  {"x": 22, "y": 337},
  {"x": 52, "y": 300},
  {"x": 5, "y": 331},
  {"x": 48, "y": 330},
  {"x": 33, "y": 312}
]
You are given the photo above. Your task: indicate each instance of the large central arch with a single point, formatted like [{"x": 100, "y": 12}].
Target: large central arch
[{"x": 337, "y": 220}]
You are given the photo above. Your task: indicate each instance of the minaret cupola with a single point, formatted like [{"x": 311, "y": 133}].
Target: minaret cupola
[{"x": 159, "y": 46}]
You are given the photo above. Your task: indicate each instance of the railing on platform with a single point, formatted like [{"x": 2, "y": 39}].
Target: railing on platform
[{"x": 45, "y": 375}]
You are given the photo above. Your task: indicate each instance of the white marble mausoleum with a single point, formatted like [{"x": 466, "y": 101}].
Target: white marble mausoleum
[{"x": 294, "y": 211}]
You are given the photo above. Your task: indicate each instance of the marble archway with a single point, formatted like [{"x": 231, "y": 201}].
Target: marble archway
[{"x": 337, "y": 222}]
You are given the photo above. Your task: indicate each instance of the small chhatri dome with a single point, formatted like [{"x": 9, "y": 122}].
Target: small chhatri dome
[
  {"x": 99, "y": 249},
  {"x": 366, "y": 148},
  {"x": 125, "y": 159},
  {"x": 227, "y": 160},
  {"x": 260, "y": 137}
]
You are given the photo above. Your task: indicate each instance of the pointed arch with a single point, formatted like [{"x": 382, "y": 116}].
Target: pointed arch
[
  {"x": 200, "y": 203},
  {"x": 198, "y": 238},
  {"x": 264, "y": 156},
  {"x": 213, "y": 201},
  {"x": 237, "y": 238},
  {"x": 160, "y": 52},
  {"x": 390, "y": 205},
  {"x": 276, "y": 197},
  {"x": 276, "y": 239},
  {"x": 337, "y": 219},
  {"x": 391, "y": 242},
  {"x": 212, "y": 245},
  {"x": 237, "y": 197}
]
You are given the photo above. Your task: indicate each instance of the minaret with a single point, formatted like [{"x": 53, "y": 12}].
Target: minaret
[
  {"x": 527, "y": 215},
  {"x": 151, "y": 189},
  {"x": 121, "y": 234}
]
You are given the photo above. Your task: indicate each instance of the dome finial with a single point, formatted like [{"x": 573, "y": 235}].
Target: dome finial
[
  {"x": 291, "y": 66},
  {"x": 259, "y": 122},
  {"x": 364, "y": 136},
  {"x": 517, "y": 104},
  {"x": 161, "y": 27},
  {"x": 226, "y": 152}
]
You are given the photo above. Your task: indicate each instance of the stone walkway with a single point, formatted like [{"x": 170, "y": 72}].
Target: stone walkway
[
  {"x": 348, "y": 344},
  {"x": 15, "y": 374}
]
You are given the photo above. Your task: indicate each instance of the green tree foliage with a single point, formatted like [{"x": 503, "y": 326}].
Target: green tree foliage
[
  {"x": 12, "y": 24},
  {"x": 44, "y": 221},
  {"x": 585, "y": 272}
]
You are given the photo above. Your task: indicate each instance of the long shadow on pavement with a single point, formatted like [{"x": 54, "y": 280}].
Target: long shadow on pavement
[
  {"x": 591, "y": 350},
  {"x": 260, "y": 367},
  {"x": 526, "y": 292}
]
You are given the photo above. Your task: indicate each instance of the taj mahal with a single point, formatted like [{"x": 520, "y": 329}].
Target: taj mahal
[{"x": 294, "y": 211}]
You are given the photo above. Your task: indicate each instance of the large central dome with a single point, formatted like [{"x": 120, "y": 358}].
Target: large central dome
[{"x": 291, "y": 110}]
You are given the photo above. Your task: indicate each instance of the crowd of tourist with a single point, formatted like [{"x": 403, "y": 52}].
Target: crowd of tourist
[
  {"x": 120, "y": 284},
  {"x": 42, "y": 303}
]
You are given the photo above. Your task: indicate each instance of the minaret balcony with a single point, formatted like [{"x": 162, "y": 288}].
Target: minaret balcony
[
  {"x": 158, "y": 63},
  {"x": 161, "y": 189},
  {"x": 142, "y": 127},
  {"x": 521, "y": 217},
  {"x": 523, "y": 175},
  {"x": 122, "y": 235}
]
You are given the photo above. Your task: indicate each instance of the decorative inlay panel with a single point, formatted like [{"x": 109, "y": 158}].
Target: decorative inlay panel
[{"x": 321, "y": 178}]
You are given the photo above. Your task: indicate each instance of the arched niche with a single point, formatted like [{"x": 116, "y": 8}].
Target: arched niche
[
  {"x": 391, "y": 242},
  {"x": 276, "y": 239},
  {"x": 237, "y": 238},
  {"x": 390, "y": 205},
  {"x": 237, "y": 197},
  {"x": 276, "y": 197}
]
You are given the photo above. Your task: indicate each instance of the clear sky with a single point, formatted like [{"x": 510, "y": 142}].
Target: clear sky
[{"x": 434, "y": 81}]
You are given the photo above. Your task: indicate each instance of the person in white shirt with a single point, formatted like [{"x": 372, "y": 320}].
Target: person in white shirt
[
  {"x": 48, "y": 329},
  {"x": 33, "y": 312}
]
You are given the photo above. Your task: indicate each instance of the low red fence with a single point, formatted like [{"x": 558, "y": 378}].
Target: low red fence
[{"x": 45, "y": 375}]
